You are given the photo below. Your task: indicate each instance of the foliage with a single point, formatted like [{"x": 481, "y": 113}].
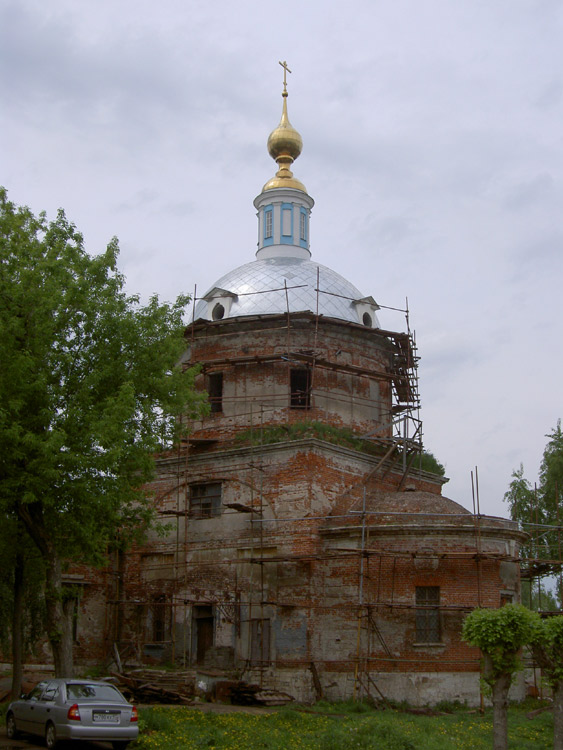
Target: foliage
[
  {"x": 538, "y": 509},
  {"x": 300, "y": 430},
  {"x": 500, "y": 634},
  {"x": 429, "y": 462},
  {"x": 531, "y": 597},
  {"x": 547, "y": 647},
  {"x": 334, "y": 727},
  {"x": 34, "y": 605},
  {"x": 89, "y": 391},
  {"x": 338, "y": 435}
]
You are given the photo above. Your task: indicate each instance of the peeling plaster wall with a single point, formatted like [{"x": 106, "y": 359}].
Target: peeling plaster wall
[{"x": 282, "y": 557}]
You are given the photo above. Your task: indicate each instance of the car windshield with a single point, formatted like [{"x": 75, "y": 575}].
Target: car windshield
[{"x": 88, "y": 692}]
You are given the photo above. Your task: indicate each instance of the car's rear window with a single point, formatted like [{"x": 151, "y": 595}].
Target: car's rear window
[{"x": 88, "y": 692}]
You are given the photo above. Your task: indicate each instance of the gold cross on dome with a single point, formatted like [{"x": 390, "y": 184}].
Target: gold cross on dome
[{"x": 286, "y": 70}]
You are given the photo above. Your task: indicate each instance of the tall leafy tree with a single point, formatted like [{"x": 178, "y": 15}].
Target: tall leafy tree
[
  {"x": 541, "y": 508},
  {"x": 551, "y": 474},
  {"x": 521, "y": 500},
  {"x": 21, "y": 601},
  {"x": 89, "y": 391}
]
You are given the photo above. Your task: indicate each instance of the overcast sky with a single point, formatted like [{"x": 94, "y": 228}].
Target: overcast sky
[{"x": 433, "y": 147}]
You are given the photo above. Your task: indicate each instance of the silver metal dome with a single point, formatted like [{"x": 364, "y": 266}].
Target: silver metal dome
[{"x": 258, "y": 288}]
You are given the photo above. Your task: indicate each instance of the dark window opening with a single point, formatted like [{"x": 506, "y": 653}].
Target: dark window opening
[
  {"x": 428, "y": 618},
  {"x": 159, "y": 619},
  {"x": 203, "y": 627},
  {"x": 205, "y": 500},
  {"x": 367, "y": 321},
  {"x": 259, "y": 641},
  {"x": 300, "y": 384},
  {"x": 215, "y": 391},
  {"x": 505, "y": 599}
]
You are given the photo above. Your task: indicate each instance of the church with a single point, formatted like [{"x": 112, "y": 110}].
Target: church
[{"x": 308, "y": 545}]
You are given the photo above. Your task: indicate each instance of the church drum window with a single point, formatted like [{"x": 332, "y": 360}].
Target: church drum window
[
  {"x": 268, "y": 224},
  {"x": 428, "y": 616},
  {"x": 300, "y": 388},
  {"x": 215, "y": 391},
  {"x": 205, "y": 500},
  {"x": 303, "y": 226}
]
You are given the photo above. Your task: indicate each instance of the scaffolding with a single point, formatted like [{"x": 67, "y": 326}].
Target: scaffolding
[{"x": 393, "y": 446}]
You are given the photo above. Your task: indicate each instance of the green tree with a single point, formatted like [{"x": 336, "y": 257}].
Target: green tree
[
  {"x": 551, "y": 480},
  {"x": 21, "y": 610},
  {"x": 538, "y": 597},
  {"x": 522, "y": 503},
  {"x": 547, "y": 648},
  {"x": 89, "y": 390},
  {"x": 500, "y": 634},
  {"x": 539, "y": 510}
]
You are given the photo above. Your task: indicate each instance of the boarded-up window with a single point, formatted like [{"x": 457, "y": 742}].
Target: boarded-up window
[
  {"x": 428, "y": 616},
  {"x": 205, "y": 500},
  {"x": 260, "y": 641}
]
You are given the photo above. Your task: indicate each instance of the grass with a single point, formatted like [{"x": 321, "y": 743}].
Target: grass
[
  {"x": 338, "y": 435},
  {"x": 337, "y": 727}
]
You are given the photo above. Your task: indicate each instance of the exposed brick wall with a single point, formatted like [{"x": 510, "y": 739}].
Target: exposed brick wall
[{"x": 312, "y": 537}]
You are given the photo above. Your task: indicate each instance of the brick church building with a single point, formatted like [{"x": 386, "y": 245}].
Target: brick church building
[{"x": 308, "y": 547}]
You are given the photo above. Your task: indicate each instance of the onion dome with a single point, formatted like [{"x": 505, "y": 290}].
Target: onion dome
[
  {"x": 284, "y": 146},
  {"x": 283, "y": 279}
]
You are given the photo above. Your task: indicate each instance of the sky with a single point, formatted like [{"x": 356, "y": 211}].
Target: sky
[{"x": 433, "y": 147}]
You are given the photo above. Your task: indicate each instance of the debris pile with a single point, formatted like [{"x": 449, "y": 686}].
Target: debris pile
[
  {"x": 162, "y": 686},
  {"x": 157, "y": 685},
  {"x": 244, "y": 694}
]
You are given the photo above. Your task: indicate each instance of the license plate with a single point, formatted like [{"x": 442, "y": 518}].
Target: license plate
[{"x": 103, "y": 718}]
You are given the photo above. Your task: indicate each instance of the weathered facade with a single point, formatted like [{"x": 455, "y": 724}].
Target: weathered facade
[{"x": 306, "y": 547}]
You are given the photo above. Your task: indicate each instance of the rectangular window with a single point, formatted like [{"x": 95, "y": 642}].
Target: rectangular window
[
  {"x": 259, "y": 641},
  {"x": 428, "y": 616},
  {"x": 267, "y": 224},
  {"x": 159, "y": 618},
  {"x": 215, "y": 391},
  {"x": 286, "y": 222},
  {"x": 300, "y": 385},
  {"x": 205, "y": 500},
  {"x": 303, "y": 226}
]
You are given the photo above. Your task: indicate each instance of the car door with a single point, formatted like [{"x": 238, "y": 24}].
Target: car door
[
  {"x": 44, "y": 708},
  {"x": 25, "y": 710}
]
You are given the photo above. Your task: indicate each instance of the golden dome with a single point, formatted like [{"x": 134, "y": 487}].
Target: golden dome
[
  {"x": 284, "y": 140},
  {"x": 284, "y": 146}
]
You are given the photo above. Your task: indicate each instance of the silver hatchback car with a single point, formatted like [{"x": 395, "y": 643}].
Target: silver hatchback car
[{"x": 64, "y": 709}]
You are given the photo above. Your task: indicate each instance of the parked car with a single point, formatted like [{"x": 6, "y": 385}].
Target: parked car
[{"x": 64, "y": 709}]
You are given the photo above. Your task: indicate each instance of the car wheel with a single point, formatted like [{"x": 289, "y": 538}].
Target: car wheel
[
  {"x": 11, "y": 729},
  {"x": 50, "y": 736},
  {"x": 119, "y": 744}
]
